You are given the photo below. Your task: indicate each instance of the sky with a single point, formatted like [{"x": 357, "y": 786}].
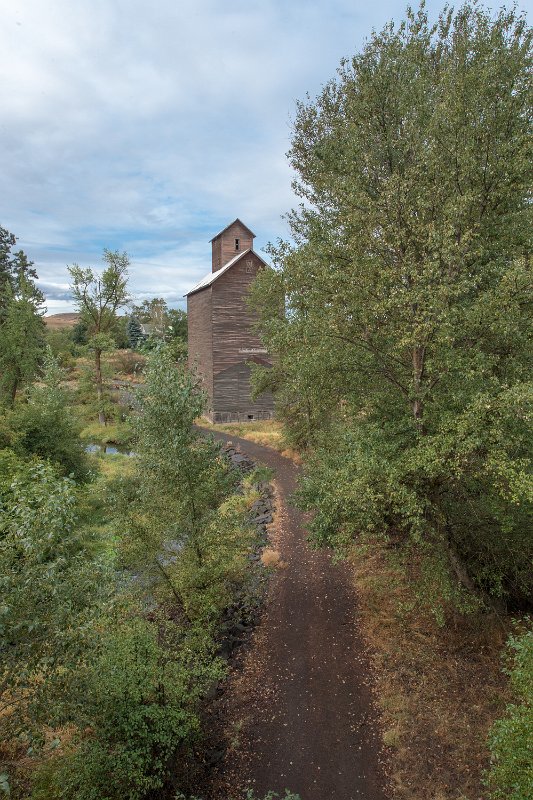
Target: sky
[{"x": 147, "y": 126}]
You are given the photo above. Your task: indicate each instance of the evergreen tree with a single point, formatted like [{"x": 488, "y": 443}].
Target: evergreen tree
[
  {"x": 135, "y": 334},
  {"x": 14, "y": 267}
]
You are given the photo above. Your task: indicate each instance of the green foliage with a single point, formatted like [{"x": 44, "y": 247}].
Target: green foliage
[
  {"x": 44, "y": 427},
  {"x": 177, "y": 324},
  {"x": 162, "y": 324},
  {"x": 21, "y": 323},
  {"x": 63, "y": 346},
  {"x": 49, "y": 577},
  {"x": 182, "y": 529},
  {"x": 98, "y": 298},
  {"x": 135, "y": 334},
  {"x": 21, "y": 337},
  {"x": 121, "y": 333},
  {"x": 511, "y": 738},
  {"x": 139, "y": 707},
  {"x": 80, "y": 333},
  {"x": 400, "y": 319},
  {"x": 15, "y": 269},
  {"x": 114, "y": 640}
]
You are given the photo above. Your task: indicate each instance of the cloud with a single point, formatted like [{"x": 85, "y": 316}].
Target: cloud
[{"x": 148, "y": 127}]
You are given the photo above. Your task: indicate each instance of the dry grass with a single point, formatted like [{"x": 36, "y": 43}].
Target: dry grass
[
  {"x": 438, "y": 689},
  {"x": 271, "y": 558},
  {"x": 266, "y": 432}
]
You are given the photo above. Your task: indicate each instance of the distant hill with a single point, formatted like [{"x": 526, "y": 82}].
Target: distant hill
[{"x": 67, "y": 320}]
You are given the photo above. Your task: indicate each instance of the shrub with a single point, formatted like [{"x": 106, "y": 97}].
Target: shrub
[
  {"x": 140, "y": 691},
  {"x": 511, "y": 738},
  {"x": 44, "y": 427}
]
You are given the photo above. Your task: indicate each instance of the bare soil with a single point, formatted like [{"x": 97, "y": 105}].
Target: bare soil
[{"x": 298, "y": 714}]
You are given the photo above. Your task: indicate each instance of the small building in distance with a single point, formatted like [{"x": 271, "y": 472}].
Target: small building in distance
[{"x": 221, "y": 341}]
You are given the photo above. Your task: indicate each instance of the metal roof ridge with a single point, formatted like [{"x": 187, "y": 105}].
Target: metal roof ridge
[{"x": 211, "y": 277}]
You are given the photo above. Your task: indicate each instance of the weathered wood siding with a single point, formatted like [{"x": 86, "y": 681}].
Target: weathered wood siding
[
  {"x": 224, "y": 245},
  {"x": 232, "y": 400},
  {"x": 233, "y": 339},
  {"x": 234, "y": 343},
  {"x": 200, "y": 329}
]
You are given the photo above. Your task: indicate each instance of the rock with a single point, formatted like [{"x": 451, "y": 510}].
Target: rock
[{"x": 263, "y": 519}]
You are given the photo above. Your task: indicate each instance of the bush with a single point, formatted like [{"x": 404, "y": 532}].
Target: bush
[
  {"x": 511, "y": 738},
  {"x": 128, "y": 362},
  {"x": 43, "y": 426},
  {"x": 61, "y": 342},
  {"x": 140, "y": 690}
]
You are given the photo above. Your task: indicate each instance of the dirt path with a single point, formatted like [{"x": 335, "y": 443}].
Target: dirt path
[{"x": 301, "y": 707}]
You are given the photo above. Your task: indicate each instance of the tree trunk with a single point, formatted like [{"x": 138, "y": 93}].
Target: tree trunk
[
  {"x": 99, "y": 386},
  {"x": 418, "y": 370},
  {"x": 461, "y": 572},
  {"x": 13, "y": 393}
]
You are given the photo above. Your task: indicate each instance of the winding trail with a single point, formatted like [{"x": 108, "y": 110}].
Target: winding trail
[{"x": 302, "y": 699}]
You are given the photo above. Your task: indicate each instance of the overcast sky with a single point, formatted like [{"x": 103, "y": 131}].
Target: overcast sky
[{"x": 149, "y": 126}]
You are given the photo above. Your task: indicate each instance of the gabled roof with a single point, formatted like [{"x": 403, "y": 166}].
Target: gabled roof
[
  {"x": 229, "y": 226},
  {"x": 211, "y": 277}
]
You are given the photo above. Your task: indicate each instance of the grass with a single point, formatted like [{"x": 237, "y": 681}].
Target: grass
[
  {"x": 438, "y": 690},
  {"x": 95, "y": 511},
  {"x": 112, "y": 433}
]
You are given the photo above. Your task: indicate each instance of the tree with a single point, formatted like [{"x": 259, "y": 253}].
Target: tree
[
  {"x": 79, "y": 333},
  {"x": 21, "y": 337},
  {"x": 13, "y": 268},
  {"x": 21, "y": 324},
  {"x": 182, "y": 477},
  {"x": 177, "y": 332},
  {"x": 407, "y": 289},
  {"x": 162, "y": 324},
  {"x": 177, "y": 324},
  {"x": 135, "y": 334},
  {"x": 98, "y": 298}
]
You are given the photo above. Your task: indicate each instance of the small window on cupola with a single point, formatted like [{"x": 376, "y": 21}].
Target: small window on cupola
[{"x": 237, "y": 244}]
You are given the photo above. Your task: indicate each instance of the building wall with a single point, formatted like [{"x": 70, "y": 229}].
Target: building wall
[
  {"x": 234, "y": 344},
  {"x": 232, "y": 400},
  {"x": 233, "y": 339},
  {"x": 200, "y": 330},
  {"x": 224, "y": 245}
]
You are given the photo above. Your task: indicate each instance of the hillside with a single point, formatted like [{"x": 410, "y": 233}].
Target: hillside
[{"x": 66, "y": 320}]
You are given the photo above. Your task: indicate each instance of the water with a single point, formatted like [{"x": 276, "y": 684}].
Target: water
[{"x": 108, "y": 449}]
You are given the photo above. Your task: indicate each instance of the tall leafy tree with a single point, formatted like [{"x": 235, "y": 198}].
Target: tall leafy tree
[
  {"x": 21, "y": 323},
  {"x": 21, "y": 338},
  {"x": 14, "y": 266},
  {"x": 98, "y": 298},
  {"x": 407, "y": 288}
]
